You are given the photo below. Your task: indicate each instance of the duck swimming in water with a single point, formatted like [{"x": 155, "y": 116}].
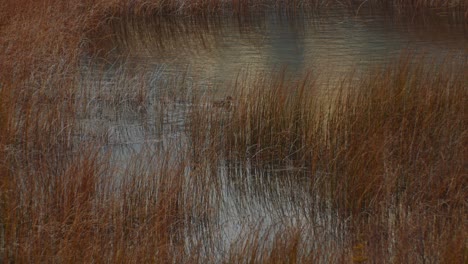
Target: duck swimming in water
[{"x": 225, "y": 103}]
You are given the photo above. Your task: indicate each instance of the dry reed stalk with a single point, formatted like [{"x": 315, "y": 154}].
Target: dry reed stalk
[
  {"x": 406, "y": 123},
  {"x": 282, "y": 244},
  {"x": 120, "y": 8},
  {"x": 400, "y": 131},
  {"x": 272, "y": 120},
  {"x": 398, "y": 140}
]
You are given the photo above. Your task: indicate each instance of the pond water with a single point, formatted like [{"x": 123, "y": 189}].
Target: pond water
[
  {"x": 333, "y": 41},
  {"x": 142, "y": 60}
]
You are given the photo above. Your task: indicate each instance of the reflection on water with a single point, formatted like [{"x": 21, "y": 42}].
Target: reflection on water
[
  {"x": 133, "y": 105},
  {"x": 331, "y": 41}
]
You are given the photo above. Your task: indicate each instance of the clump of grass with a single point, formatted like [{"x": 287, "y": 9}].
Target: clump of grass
[
  {"x": 399, "y": 131},
  {"x": 88, "y": 211},
  {"x": 245, "y": 7},
  {"x": 283, "y": 244},
  {"x": 272, "y": 119},
  {"x": 387, "y": 150}
]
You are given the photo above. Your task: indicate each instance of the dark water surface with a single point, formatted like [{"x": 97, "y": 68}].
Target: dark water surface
[{"x": 331, "y": 41}]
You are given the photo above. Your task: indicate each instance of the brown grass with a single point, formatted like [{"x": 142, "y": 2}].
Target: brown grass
[
  {"x": 399, "y": 131},
  {"x": 405, "y": 130},
  {"x": 387, "y": 154},
  {"x": 388, "y": 150}
]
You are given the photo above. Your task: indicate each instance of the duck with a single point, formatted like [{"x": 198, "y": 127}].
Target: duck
[{"x": 225, "y": 103}]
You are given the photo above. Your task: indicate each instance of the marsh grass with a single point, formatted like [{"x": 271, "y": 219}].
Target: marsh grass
[
  {"x": 385, "y": 155},
  {"x": 405, "y": 130},
  {"x": 286, "y": 245},
  {"x": 272, "y": 119},
  {"x": 386, "y": 151},
  {"x": 378, "y": 137},
  {"x": 241, "y": 7}
]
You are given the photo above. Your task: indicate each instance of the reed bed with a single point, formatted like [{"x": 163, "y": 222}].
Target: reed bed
[
  {"x": 408, "y": 117},
  {"x": 386, "y": 150},
  {"x": 385, "y": 156},
  {"x": 210, "y": 7}
]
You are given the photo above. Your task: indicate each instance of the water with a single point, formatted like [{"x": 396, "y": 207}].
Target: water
[
  {"x": 332, "y": 41},
  {"x": 144, "y": 61}
]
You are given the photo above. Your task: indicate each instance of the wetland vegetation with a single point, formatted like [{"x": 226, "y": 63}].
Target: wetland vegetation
[{"x": 122, "y": 141}]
